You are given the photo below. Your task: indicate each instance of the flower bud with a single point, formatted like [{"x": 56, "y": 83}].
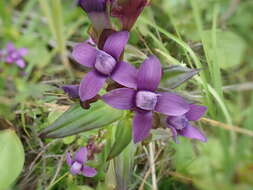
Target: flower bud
[
  {"x": 96, "y": 10},
  {"x": 127, "y": 11}
]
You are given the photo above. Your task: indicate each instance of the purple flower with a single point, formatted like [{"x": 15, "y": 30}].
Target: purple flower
[
  {"x": 180, "y": 125},
  {"x": 96, "y": 10},
  {"x": 127, "y": 11},
  {"x": 104, "y": 64},
  {"x": 13, "y": 55},
  {"x": 78, "y": 164},
  {"x": 145, "y": 100}
]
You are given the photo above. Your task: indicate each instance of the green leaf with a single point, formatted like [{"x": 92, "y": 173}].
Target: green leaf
[
  {"x": 11, "y": 159},
  {"x": 76, "y": 120},
  {"x": 230, "y": 48},
  {"x": 177, "y": 75},
  {"x": 123, "y": 137}
]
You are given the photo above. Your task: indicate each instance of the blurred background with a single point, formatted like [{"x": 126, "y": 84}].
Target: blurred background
[{"x": 214, "y": 35}]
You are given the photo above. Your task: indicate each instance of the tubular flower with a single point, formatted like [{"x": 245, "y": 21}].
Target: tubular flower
[
  {"x": 127, "y": 11},
  {"x": 96, "y": 10},
  {"x": 180, "y": 125},
  {"x": 14, "y": 55},
  {"x": 104, "y": 63},
  {"x": 144, "y": 100},
  {"x": 78, "y": 164}
]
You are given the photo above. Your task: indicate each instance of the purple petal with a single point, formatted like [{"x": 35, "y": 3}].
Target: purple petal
[
  {"x": 192, "y": 133},
  {"x": 142, "y": 124},
  {"x": 92, "y": 5},
  {"x": 115, "y": 43},
  {"x": 9, "y": 59},
  {"x": 121, "y": 98},
  {"x": 71, "y": 90},
  {"x": 90, "y": 85},
  {"x": 149, "y": 74},
  {"x": 68, "y": 159},
  {"x": 85, "y": 54},
  {"x": 125, "y": 74},
  {"x": 195, "y": 112},
  {"x": 88, "y": 171},
  {"x": 76, "y": 168},
  {"x": 10, "y": 47},
  {"x": 81, "y": 155},
  {"x": 20, "y": 63},
  {"x": 171, "y": 104},
  {"x": 22, "y": 51}
]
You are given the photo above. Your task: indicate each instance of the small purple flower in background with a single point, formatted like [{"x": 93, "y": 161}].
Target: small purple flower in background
[
  {"x": 180, "y": 125},
  {"x": 144, "y": 100},
  {"x": 13, "y": 55},
  {"x": 127, "y": 11},
  {"x": 104, "y": 63},
  {"x": 78, "y": 164},
  {"x": 97, "y": 12}
]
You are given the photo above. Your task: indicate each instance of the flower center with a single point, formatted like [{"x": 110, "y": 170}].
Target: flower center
[
  {"x": 178, "y": 122},
  {"x": 105, "y": 63},
  {"x": 76, "y": 167},
  {"x": 146, "y": 100}
]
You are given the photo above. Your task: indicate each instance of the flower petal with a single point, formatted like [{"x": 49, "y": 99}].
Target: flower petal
[
  {"x": 192, "y": 133},
  {"x": 85, "y": 54},
  {"x": 10, "y": 47},
  {"x": 171, "y": 104},
  {"x": 149, "y": 74},
  {"x": 92, "y": 5},
  {"x": 90, "y": 85},
  {"x": 76, "y": 168},
  {"x": 81, "y": 155},
  {"x": 71, "y": 90},
  {"x": 125, "y": 74},
  {"x": 195, "y": 112},
  {"x": 115, "y": 43},
  {"x": 20, "y": 63},
  {"x": 69, "y": 159},
  {"x": 142, "y": 124},
  {"x": 121, "y": 98},
  {"x": 22, "y": 51},
  {"x": 88, "y": 171}
]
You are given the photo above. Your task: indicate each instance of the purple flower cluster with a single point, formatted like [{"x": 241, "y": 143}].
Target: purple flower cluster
[
  {"x": 136, "y": 90},
  {"x": 12, "y": 55},
  {"x": 140, "y": 89}
]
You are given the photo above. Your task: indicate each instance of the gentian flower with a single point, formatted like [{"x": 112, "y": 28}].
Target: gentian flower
[
  {"x": 145, "y": 100},
  {"x": 96, "y": 10},
  {"x": 13, "y": 55},
  {"x": 180, "y": 125},
  {"x": 127, "y": 11},
  {"x": 78, "y": 164},
  {"x": 104, "y": 63}
]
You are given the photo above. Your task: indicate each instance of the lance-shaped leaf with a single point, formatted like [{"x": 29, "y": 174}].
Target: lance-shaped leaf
[
  {"x": 11, "y": 159},
  {"x": 123, "y": 167},
  {"x": 123, "y": 137},
  {"x": 76, "y": 120},
  {"x": 176, "y": 75}
]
